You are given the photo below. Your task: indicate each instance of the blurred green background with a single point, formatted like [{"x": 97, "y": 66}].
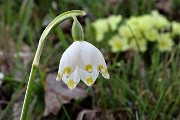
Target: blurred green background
[{"x": 138, "y": 38}]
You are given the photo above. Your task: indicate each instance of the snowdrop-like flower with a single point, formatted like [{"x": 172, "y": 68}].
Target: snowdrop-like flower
[{"x": 82, "y": 61}]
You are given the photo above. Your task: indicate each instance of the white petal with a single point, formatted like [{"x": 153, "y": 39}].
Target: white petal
[
  {"x": 88, "y": 78},
  {"x": 87, "y": 56},
  {"x": 90, "y": 55},
  {"x": 72, "y": 80},
  {"x": 69, "y": 59}
]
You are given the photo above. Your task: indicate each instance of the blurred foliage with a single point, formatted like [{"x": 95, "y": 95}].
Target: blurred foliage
[
  {"x": 137, "y": 32},
  {"x": 142, "y": 86}
]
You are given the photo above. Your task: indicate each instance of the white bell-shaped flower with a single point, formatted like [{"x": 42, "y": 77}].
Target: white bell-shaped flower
[{"x": 82, "y": 61}]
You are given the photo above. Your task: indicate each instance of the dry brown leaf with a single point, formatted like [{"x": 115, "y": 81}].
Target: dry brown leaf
[{"x": 57, "y": 93}]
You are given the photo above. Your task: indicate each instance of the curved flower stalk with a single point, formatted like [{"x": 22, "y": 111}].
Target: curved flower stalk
[{"x": 45, "y": 33}]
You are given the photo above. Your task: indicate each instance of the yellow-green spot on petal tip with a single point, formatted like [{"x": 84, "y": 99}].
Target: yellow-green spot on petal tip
[
  {"x": 58, "y": 76},
  {"x": 71, "y": 84},
  {"x": 100, "y": 68},
  {"x": 89, "y": 81},
  {"x": 88, "y": 68},
  {"x": 67, "y": 70},
  {"x": 106, "y": 74}
]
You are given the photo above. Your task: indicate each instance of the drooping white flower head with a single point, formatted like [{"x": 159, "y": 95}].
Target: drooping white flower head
[{"x": 82, "y": 61}]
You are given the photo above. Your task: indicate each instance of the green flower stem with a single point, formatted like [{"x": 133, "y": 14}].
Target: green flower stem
[
  {"x": 35, "y": 63},
  {"x": 49, "y": 28},
  {"x": 28, "y": 92}
]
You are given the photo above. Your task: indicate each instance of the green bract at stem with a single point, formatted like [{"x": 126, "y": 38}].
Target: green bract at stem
[
  {"x": 35, "y": 63},
  {"x": 77, "y": 30}
]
